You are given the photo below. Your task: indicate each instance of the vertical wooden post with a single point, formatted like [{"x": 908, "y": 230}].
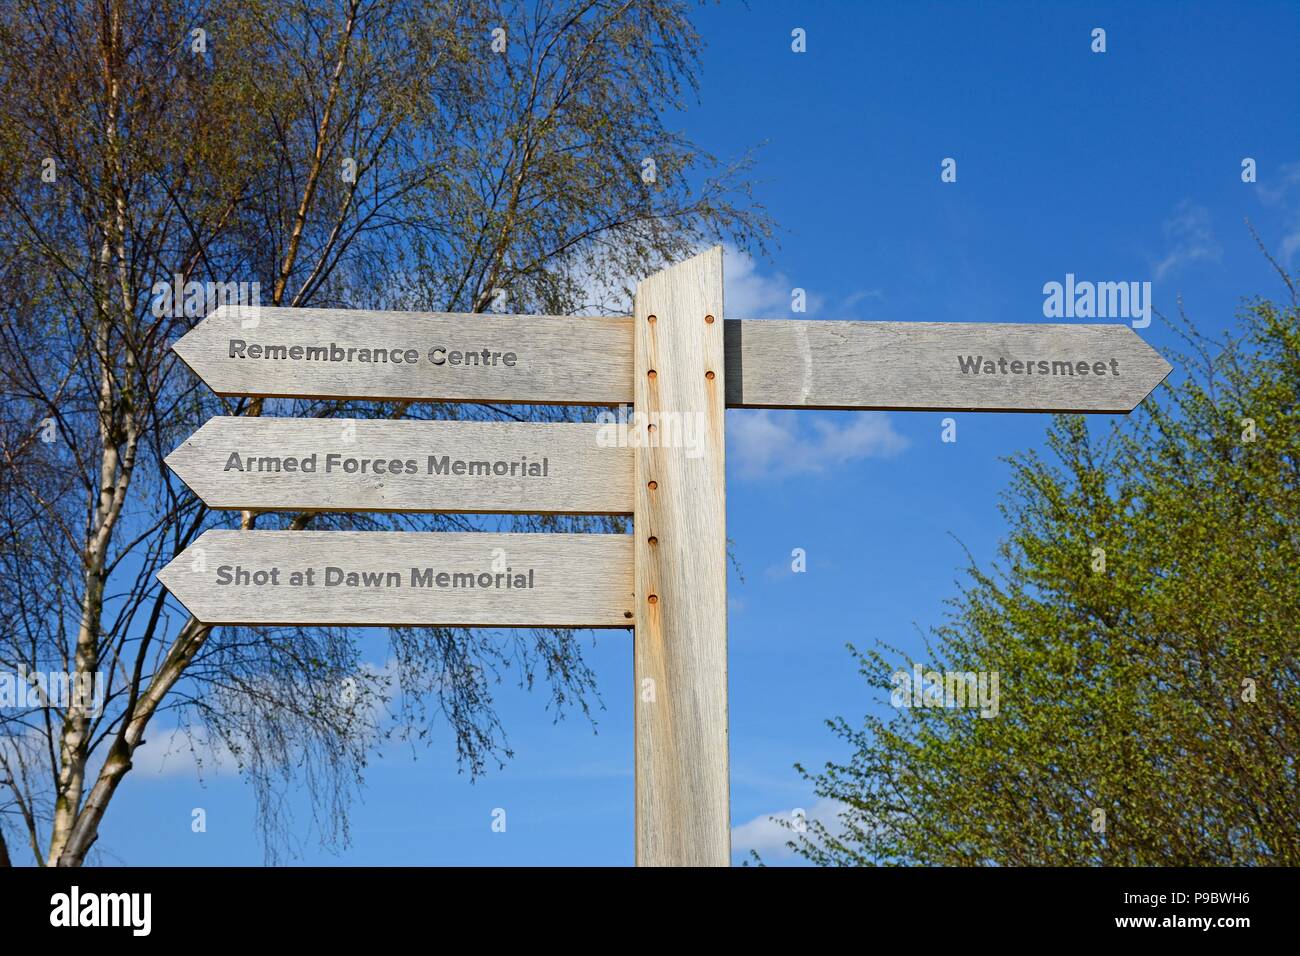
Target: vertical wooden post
[{"x": 680, "y": 648}]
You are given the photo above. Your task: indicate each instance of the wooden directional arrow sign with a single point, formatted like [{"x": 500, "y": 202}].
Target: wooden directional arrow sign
[
  {"x": 425, "y": 356},
  {"x": 405, "y": 578},
  {"x": 770, "y": 363},
  {"x": 939, "y": 366},
  {"x": 272, "y": 464}
]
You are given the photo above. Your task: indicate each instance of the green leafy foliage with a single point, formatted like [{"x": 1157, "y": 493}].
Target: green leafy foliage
[{"x": 1161, "y": 690}]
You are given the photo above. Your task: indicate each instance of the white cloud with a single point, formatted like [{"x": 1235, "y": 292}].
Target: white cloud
[
  {"x": 1281, "y": 196},
  {"x": 1190, "y": 238},
  {"x": 1276, "y": 195},
  {"x": 166, "y": 752},
  {"x": 749, "y": 294},
  {"x": 766, "y": 443},
  {"x": 172, "y": 752},
  {"x": 748, "y": 291},
  {"x": 857, "y": 298},
  {"x": 768, "y": 837}
]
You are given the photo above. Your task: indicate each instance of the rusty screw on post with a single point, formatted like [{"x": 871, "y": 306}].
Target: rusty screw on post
[{"x": 708, "y": 319}]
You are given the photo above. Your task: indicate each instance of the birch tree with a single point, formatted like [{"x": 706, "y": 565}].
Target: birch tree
[{"x": 421, "y": 154}]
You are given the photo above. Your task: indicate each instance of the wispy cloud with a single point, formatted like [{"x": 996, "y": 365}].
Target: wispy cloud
[
  {"x": 175, "y": 751},
  {"x": 765, "y": 835},
  {"x": 858, "y": 298},
  {"x": 1291, "y": 245},
  {"x": 1286, "y": 194},
  {"x": 750, "y": 293},
  {"x": 167, "y": 752},
  {"x": 751, "y": 290},
  {"x": 172, "y": 752},
  {"x": 766, "y": 444},
  {"x": 1189, "y": 237},
  {"x": 1288, "y": 178}
]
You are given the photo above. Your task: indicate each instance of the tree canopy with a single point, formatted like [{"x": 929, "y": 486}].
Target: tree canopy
[
  {"x": 1142, "y": 620},
  {"x": 432, "y": 155}
]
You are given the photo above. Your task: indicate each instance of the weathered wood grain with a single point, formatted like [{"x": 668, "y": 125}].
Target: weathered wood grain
[
  {"x": 579, "y": 580},
  {"x": 406, "y": 466},
  {"x": 680, "y": 646},
  {"x": 542, "y": 359},
  {"x": 782, "y": 363}
]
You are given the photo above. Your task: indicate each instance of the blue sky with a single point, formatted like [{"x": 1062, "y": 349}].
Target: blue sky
[{"x": 1117, "y": 166}]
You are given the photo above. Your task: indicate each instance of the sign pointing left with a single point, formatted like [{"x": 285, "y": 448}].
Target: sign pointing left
[
  {"x": 330, "y": 464},
  {"x": 419, "y": 356},
  {"x": 394, "y": 578}
]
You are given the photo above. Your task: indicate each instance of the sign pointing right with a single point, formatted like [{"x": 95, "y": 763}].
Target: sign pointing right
[{"x": 939, "y": 366}]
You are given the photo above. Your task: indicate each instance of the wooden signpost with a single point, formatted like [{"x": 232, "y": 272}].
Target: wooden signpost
[{"x": 676, "y": 360}]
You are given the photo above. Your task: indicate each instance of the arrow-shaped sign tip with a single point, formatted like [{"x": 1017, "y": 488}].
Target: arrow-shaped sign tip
[
  {"x": 187, "y": 345},
  {"x": 172, "y": 575},
  {"x": 178, "y": 464}
]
